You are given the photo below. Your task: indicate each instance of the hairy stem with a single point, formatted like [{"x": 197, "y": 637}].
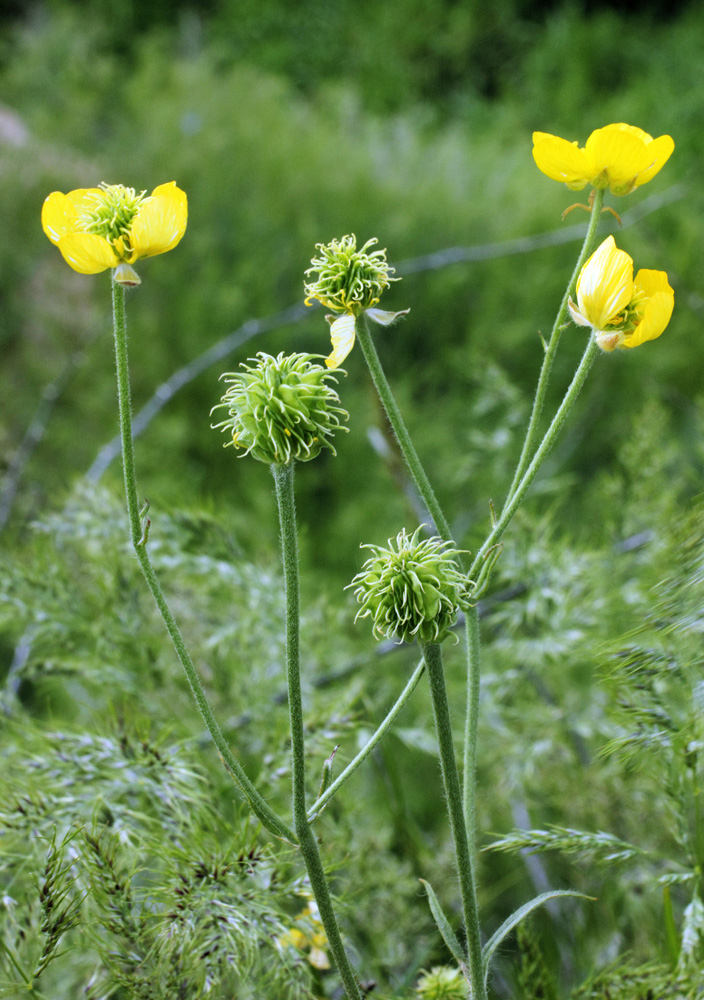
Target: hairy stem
[
  {"x": 551, "y": 349},
  {"x": 138, "y": 533},
  {"x": 399, "y": 428},
  {"x": 546, "y": 444},
  {"x": 451, "y": 782},
  {"x": 469, "y": 775},
  {"x": 283, "y": 479},
  {"x": 471, "y": 623},
  {"x": 316, "y": 808}
]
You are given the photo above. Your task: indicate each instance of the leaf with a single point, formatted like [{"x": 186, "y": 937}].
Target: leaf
[
  {"x": 515, "y": 918},
  {"x": 671, "y": 936},
  {"x": 448, "y": 935}
]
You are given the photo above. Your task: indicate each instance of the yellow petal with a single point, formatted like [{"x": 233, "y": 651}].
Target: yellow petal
[
  {"x": 620, "y": 154},
  {"x": 561, "y": 160},
  {"x": 605, "y": 284},
  {"x": 58, "y": 216},
  {"x": 633, "y": 129},
  {"x": 659, "y": 152},
  {"x": 60, "y": 212},
  {"x": 159, "y": 225},
  {"x": 84, "y": 197},
  {"x": 86, "y": 253},
  {"x": 658, "y": 307},
  {"x": 342, "y": 336}
]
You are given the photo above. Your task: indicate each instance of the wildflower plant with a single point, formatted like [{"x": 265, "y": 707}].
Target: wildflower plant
[{"x": 283, "y": 410}]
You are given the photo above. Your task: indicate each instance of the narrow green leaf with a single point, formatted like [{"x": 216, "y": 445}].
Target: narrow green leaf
[
  {"x": 448, "y": 935},
  {"x": 515, "y": 918},
  {"x": 672, "y": 938}
]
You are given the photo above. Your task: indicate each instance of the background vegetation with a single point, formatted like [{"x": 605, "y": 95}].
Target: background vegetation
[{"x": 288, "y": 125}]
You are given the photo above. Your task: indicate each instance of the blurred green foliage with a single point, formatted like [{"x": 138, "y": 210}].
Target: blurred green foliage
[{"x": 270, "y": 171}]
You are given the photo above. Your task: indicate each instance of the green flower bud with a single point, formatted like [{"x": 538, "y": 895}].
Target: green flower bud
[
  {"x": 413, "y": 589},
  {"x": 442, "y": 983},
  {"x": 349, "y": 280},
  {"x": 281, "y": 409}
]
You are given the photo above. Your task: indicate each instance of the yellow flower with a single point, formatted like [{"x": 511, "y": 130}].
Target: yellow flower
[
  {"x": 622, "y": 311},
  {"x": 113, "y": 226},
  {"x": 619, "y": 157},
  {"x": 309, "y": 936}
]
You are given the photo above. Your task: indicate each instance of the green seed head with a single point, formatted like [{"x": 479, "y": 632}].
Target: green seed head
[
  {"x": 413, "y": 589},
  {"x": 349, "y": 280},
  {"x": 442, "y": 983},
  {"x": 281, "y": 409}
]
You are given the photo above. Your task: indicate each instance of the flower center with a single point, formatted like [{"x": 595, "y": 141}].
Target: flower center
[
  {"x": 111, "y": 214},
  {"x": 631, "y": 316}
]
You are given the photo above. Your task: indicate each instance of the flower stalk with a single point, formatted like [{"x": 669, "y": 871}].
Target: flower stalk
[
  {"x": 451, "y": 782},
  {"x": 138, "y": 532},
  {"x": 399, "y": 428},
  {"x": 551, "y": 349},
  {"x": 471, "y": 725},
  {"x": 283, "y": 479},
  {"x": 468, "y": 795},
  {"x": 516, "y": 497}
]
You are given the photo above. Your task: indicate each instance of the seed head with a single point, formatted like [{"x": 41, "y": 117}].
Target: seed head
[
  {"x": 281, "y": 409},
  {"x": 442, "y": 983},
  {"x": 413, "y": 589},
  {"x": 349, "y": 280}
]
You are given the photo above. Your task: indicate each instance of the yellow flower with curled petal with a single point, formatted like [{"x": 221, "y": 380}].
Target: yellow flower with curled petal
[
  {"x": 619, "y": 157},
  {"x": 112, "y": 226},
  {"x": 623, "y": 311}
]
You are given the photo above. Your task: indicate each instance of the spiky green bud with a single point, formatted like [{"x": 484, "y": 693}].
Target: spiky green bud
[
  {"x": 281, "y": 409},
  {"x": 442, "y": 983},
  {"x": 349, "y": 280},
  {"x": 413, "y": 589}
]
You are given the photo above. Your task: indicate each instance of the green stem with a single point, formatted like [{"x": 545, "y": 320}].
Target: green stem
[
  {"x": 138, "y": 532},
  {"x": 451, "y": 781},
  {"x": 551, "y": 349},
  {"x": 473, "y": 672},
  {"x": 399, "y": 428},
  {"x": 320, "y": 803},
  {"x": 283, "y": 479},
  {"x": 546, "y": 444},
  {"x": 471, "y": 725}
]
